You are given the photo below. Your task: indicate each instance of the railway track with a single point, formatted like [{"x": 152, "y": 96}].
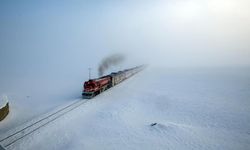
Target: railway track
[{"x": 19, "y": 133}]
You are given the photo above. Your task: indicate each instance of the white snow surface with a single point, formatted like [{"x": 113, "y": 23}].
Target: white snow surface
[
  {"x": 3, "y": 101},
  {"x": 205, "y": 109}
]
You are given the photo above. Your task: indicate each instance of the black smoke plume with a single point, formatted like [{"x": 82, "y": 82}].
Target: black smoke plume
[{"x": 110, "y": 61}]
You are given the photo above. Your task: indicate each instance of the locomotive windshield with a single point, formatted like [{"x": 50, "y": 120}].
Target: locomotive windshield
[{"x": 89, "y": 85}]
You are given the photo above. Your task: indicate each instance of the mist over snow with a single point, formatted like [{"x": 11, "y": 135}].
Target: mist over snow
[
  {"x": 57, "y": 35},
  {"x": 198, "y": 52}
]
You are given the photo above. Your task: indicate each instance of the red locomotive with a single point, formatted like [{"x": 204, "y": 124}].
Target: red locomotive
[{"x": 96, "y": 86}]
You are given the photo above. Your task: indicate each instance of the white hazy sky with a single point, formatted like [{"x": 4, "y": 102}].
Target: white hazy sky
[{"x": 58, "y": 35}]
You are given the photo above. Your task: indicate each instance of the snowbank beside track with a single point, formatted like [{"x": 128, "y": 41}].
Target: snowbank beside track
[{"x": 4, "y": 107}]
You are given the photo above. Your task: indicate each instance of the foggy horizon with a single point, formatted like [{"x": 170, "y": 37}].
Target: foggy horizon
[{"x": 39, "y": 36}]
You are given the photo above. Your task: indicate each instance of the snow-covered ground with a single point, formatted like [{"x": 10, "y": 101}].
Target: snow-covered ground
[
  {"x": 3, "y": 101},
  {"x": 193, "y": 109},
  {"x": 33, "y": 95}
]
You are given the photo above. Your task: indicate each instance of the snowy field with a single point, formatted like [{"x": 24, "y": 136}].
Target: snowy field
[
  {"x": 193, "y": 108},
  {"x": 195, "y": 95}
]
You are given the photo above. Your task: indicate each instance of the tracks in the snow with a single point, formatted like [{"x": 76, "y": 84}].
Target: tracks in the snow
[{"x": 17, "y": 134}]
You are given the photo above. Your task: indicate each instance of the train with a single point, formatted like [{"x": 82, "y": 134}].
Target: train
[{"x": 93, "y": 87}]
